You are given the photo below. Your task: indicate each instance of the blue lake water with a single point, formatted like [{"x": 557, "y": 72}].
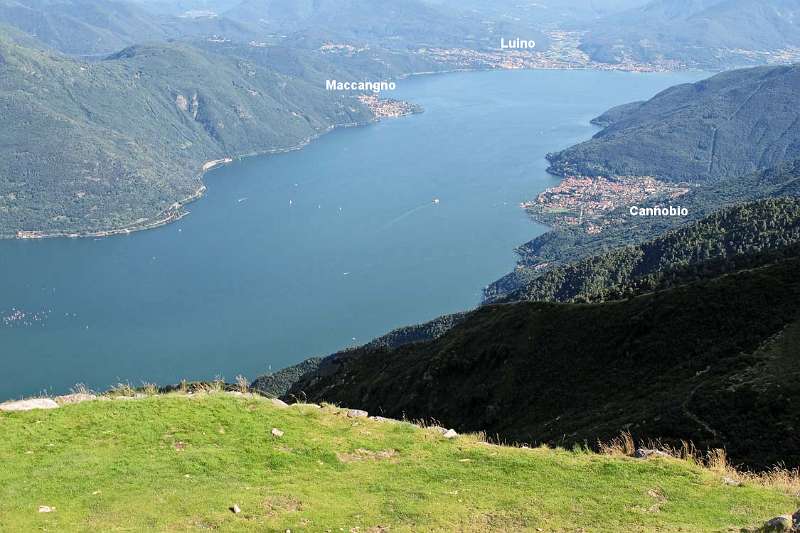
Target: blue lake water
[{"x": 304, "y": 253}]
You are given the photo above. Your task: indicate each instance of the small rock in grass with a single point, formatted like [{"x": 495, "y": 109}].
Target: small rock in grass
[
  {"x": 279, "y": 403},
  {"x": 277, "y": 433},
  {"x": 357, "y": 413},
  {"x": 779, "y": 524},
  {"x": 644, "y": 453},
  {"x": 731, "y": 482},
  {"x": 383, "y": 419},
  {"x": 235, "y": 509},
  {"x": 46, "y": 509},
  {"x": 450, "y": 434},
  {"x": 29, "y": 405}
]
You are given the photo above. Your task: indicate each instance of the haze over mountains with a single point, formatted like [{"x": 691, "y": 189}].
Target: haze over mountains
[
  {"x": 707, "y": 33},
  {"x": 98, "y": 27}
]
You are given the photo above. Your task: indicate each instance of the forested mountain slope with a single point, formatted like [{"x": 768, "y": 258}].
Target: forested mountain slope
[
  {"x": 713, "y": 361},
  {"x": 731, "y": 238},
  {"x": 726, "y": 126},
  {"x": 116, "y": 143}
]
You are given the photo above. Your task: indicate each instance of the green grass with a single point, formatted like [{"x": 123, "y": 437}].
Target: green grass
[{"x": 176, "y": 463}]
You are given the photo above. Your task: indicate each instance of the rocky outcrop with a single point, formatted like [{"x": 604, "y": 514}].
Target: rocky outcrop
[{"x": 28, "y": 405}]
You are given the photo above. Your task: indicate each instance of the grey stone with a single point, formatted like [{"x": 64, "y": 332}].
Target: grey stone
[
  {"x": 386, "y": 420},
  {"x": 357, "y": 413},
  {"x": 29, "y": 405},
  {"x": 235, "y": 509},
  {"x": 644, "y": 453},
  {"x": 730, "y": 482},
  {"x": 277, "y": 433},
  {"x": 779, "y": 524},
  {"x": 450, "y": 434}
]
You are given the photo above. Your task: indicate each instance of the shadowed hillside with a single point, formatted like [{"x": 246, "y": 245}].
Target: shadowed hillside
[{"x": 713, "y": 361}]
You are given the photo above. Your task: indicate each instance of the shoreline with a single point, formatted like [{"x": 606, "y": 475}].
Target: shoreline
[{"x": 177, "y": 212}]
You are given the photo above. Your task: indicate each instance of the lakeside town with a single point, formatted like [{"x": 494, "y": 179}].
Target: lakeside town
[
  {"x": 383, "y": 108},
  {"x": 586, "y": 201},
  {"x": 563, "y": 53}
]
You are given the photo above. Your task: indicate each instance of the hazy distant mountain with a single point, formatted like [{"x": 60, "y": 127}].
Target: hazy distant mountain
[
  {"x": 538, "y": 11},
  {"x": 190, "y": 7},
  {"x": 99, "y": 27},
  {"x": 82, "y": 26},
  {"x": 393, "y": 23},
  {"x": 94, "y": 27},
  {"x": 729, "y": 125},
  {"x": 704, "y": 32}
]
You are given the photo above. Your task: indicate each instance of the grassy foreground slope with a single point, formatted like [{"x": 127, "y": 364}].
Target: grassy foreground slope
[{"x": 177, "y": 463}]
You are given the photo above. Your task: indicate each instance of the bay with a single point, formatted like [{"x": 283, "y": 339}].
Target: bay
[{"x": 301, "y": 254}]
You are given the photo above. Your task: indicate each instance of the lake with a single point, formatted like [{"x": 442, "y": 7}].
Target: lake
[{"x": 301, "y": 254}]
